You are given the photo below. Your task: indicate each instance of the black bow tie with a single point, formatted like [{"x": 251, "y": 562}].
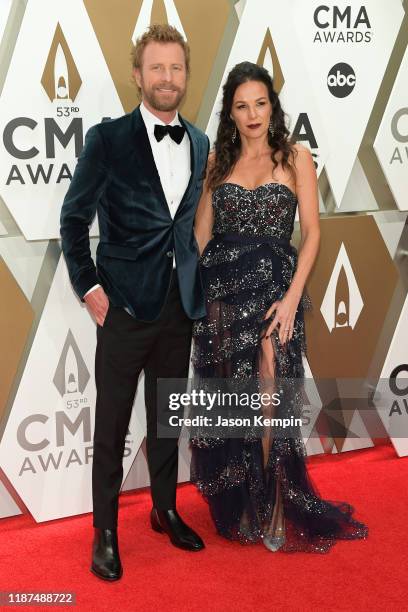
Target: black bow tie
[{"x": 176, "y": 132}]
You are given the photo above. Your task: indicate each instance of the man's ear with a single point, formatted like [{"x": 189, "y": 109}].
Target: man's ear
[{"x": 137, "y": 76}]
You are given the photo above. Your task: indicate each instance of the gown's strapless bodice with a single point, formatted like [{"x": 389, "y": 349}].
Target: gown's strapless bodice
[{"x": 267, "y": 210}]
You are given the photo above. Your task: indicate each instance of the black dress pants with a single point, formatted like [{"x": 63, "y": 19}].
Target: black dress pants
[{"x": 124, "y": 348}]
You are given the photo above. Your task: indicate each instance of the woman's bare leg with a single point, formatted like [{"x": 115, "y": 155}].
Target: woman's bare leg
[{"x": 275, "y": 532}]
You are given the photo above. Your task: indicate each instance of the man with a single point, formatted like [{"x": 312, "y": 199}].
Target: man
[{"x": 142, "y": 174}]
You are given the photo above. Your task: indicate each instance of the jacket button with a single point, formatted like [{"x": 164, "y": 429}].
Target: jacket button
[{"x": 169, "y": 253}]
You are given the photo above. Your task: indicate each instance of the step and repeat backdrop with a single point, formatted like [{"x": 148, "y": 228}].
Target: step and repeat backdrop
[{"x": 341, "y": 70}]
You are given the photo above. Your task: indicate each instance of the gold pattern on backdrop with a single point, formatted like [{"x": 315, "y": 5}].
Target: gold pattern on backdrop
[
  {"x": 268, "y": 58},
  {"x": 114, "y": 30},
  {"x": 16, "y": 317},
  {"x": 346, "y": 323},
  {"x": 60, "y": 79},
  {"x": 349, "y": 309},
  {"x": 159, "y": 13}
]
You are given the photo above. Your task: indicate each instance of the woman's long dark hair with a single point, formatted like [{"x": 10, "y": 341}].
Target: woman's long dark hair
[{"x": 226, "y": 151}]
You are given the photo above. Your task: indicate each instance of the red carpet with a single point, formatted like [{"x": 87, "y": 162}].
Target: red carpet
[{"x": 358, "y": 575}]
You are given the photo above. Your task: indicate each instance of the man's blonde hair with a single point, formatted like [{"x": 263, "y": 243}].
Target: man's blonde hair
[{"x": 161, "y": 33}]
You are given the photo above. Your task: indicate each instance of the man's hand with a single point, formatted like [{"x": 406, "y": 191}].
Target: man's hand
[{"x": 98, "y": 304}]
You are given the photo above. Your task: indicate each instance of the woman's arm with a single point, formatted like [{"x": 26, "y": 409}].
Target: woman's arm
[
  {"x": 204, "y": 218},
  {"x": 308, "y": 203}
]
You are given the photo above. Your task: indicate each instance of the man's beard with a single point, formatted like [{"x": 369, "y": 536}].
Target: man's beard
[{"x": 158, "y": 103}]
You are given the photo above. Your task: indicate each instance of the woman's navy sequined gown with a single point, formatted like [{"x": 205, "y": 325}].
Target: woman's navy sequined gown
[{"x": 253, "y": 493}]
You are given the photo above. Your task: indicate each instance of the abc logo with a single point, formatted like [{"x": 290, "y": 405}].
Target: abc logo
[{"x": 341, "y": 80}]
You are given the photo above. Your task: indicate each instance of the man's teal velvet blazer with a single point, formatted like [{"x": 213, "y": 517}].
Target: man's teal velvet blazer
[{"x": 116, "y": 178}]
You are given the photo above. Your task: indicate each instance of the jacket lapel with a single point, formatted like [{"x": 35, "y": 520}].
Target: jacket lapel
[
  {"x": 193, "y": 164},
  {"x": 144, "y": 155}
]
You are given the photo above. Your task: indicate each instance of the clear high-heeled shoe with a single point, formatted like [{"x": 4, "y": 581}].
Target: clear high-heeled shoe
[{"x": 276, "y": 541}]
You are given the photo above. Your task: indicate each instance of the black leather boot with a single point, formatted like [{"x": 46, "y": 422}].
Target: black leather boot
[
  {"x": 180, "y": 534},
  {"x": 105, "y": 555}
]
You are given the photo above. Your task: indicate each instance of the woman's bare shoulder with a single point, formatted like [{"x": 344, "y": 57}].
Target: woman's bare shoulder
[{"x": 302, "y": 156}]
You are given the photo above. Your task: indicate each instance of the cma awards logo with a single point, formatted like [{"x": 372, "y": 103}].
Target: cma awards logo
[
  {"x": 71, "y": 375},
  {"x": 61, "y": 79},
  {"x": 349, "y": 24},
  {"x": 342, "y": 303},
  {"x": 341, "y": 80},
  {"x": 61, "y": 83},
  {"x": 62, "y": 439},
  {"x": 400, "y": 153}
]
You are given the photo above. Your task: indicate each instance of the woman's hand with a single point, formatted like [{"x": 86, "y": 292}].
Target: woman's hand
[{"x": 285, "y": 312}]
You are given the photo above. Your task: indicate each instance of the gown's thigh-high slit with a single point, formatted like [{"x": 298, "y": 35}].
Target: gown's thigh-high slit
[{"x": 274, "y": 524}]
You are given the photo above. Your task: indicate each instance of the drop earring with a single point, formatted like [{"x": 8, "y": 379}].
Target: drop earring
[
  {"x": 234, "y": 134},
  {"x": 271, "y": 128}
]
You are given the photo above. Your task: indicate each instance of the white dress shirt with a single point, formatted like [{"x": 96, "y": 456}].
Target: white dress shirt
[{"x": 172, "y": 161}]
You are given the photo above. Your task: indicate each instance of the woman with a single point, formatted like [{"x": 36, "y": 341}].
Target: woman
[{"x": 257, "y": 486}]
